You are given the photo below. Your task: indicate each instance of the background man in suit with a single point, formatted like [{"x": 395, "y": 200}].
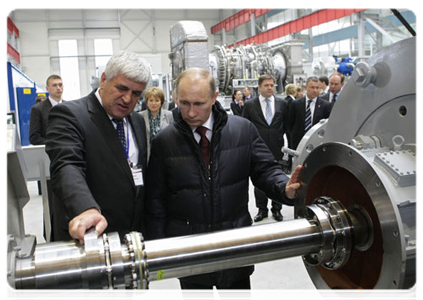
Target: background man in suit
[
  {"x": 237, "y": 105},
  {"x": 97, "y": 148},
  {"x": 290, "y": 93},
  {"x": 199, "y": 171},
  {"x": 336, "y": 83},
  {"x": 269, "y": 115},
  {"x": 324, "y": 85},
  {"x": 40, "y": 111},
  {"x": 38, "y": 123},
  {"x": 247, "y": 94},
  {"x": 319, "y": 109}
]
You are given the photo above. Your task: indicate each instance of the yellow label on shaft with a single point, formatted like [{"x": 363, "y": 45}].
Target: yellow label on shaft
[{"x": 160, "y": 275}]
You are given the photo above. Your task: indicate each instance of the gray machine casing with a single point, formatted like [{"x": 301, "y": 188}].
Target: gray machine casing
[{"x": 374, "y": 121}]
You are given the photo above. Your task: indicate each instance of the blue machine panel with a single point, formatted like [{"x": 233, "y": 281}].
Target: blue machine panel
[{"x": 25, "y": 99}]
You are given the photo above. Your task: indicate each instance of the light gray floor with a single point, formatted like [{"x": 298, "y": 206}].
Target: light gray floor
[{"x": 282, "y": 274}]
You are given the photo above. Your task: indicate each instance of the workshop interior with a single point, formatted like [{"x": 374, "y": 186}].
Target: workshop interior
[{"x": 354, "y": 225}]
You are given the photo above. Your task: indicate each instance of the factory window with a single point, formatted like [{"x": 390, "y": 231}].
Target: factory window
[
  {"x": 103, "y": 50},
  {"x": 69, "y": 69}
]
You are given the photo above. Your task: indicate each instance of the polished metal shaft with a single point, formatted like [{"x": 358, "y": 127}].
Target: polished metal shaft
[
  {"x": 190, "y": 255},
  {"x": 322, "y": 237}
]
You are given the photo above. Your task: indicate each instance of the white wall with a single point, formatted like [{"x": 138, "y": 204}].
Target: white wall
[{"x": 141, "y": 31}]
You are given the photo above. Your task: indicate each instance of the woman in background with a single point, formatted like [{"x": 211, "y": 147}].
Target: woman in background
[{"x": 154, "y": 116}]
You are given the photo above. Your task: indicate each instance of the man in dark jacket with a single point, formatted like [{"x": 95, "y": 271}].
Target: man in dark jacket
[
  {"x": 40, "y": 112},
  {"x": 199, "y": 172},
  {"x": 306, "y": 112},
  {"x": 97, "y": 148},
  {"x": 270, "y": 115}
]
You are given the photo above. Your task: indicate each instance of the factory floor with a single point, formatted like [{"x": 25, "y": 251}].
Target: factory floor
[{"x": 278, "y": 280}]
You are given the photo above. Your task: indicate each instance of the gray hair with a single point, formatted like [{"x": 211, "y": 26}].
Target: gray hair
[
  {"x": 129, "y": 64},
  {"x": 312, "y": 78}
]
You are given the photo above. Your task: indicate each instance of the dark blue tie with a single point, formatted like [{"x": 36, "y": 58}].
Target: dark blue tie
[
  {"x": 307, "y": 122},
  {"x": 121, "y": 132}
]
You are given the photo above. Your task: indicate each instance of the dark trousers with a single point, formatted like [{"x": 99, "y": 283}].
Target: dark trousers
[
  {"x": 261, "y": 201},
  {"x": 240, "y": 290}
]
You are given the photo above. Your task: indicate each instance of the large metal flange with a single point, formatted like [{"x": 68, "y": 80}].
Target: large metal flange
[
  {"x": 336, "y": 229},
  {"x": 139, "y": 278},
  {"x": 316, "y": 215},
  {"x": 342, "y": 227}
]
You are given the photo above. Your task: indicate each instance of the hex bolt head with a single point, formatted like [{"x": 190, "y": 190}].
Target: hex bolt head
[{"x": 364, "y": 74}]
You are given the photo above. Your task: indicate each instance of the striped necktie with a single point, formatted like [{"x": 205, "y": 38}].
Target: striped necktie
[
  {"x": 268, "y": 115},
  {"x": 121, "y": 132},
  {"x": 307, "y": 123}
]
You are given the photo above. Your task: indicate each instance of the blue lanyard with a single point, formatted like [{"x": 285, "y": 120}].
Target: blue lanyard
[{"x": 127, "y": 140}]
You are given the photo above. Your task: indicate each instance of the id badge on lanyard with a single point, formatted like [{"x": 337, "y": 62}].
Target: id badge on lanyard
[
  {"x": 135, "y": 170},
  {"x": 137, "y": 175}
]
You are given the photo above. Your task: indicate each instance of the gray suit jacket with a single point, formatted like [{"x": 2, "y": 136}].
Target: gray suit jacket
[
  {"x": 166, "y": 119},
  {"x": 89, "y": 168}
]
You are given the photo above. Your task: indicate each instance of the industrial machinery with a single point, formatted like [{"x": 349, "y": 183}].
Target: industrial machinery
[
  {"x": 233, "y": 67},
  {"x": 325, "y": 66},
  {"x": 241, "y": 66},
  {"x": 365, "y": 154},
  {"x": 355, "y": 215}
]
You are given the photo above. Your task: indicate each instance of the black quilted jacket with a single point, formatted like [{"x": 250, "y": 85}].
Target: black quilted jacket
[{"x": 184, "y": 198}]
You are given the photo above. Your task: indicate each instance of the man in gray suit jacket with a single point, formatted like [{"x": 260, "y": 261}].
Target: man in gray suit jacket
[
  {"x": 271, "y": 130},
  {"x": 97, "y": 148}
]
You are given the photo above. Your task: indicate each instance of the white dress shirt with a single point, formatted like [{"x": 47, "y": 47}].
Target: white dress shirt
[
  {"x": 209, "y": 125},
  {"x": 54, "y": 102},
  {"x": 312, "y": 106}
]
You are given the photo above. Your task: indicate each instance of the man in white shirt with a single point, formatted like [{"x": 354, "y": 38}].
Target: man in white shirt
[
  {"x": 336, "y": 83},
  {"x": 324, "y": 85},
  {"x": 307, "y": 111},
  {"x": 38, "y": 121},
  {"x": 247, "y": 93},
  {"x": 270, "y": 116},
  {"x": 98, "y": 154}
]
